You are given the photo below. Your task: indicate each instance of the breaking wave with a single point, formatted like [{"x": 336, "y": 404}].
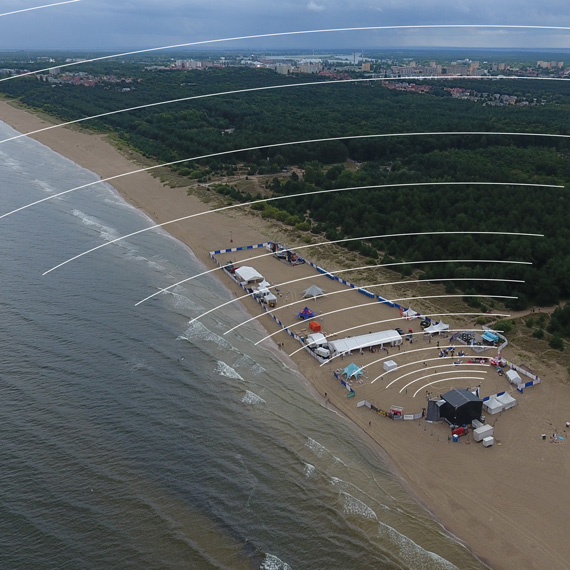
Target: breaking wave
[
  {"x": 271, "y": 562},
  {"x": 226, "y": 370},
  {"x": 413, "y": 554},
  {"x": 252, "y": 398}
]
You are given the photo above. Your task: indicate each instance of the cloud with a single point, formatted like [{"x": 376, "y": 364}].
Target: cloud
[{"x": 314, "y": 7}]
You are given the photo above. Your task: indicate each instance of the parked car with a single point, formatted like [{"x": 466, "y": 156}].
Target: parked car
[{"x": 399, "y": 331}]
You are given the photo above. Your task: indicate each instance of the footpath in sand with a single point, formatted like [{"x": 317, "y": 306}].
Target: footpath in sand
[{"x": 509, "y": 503}]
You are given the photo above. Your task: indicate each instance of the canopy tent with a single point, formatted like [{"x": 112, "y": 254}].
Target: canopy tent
[
  {"x": 513, "y": 377},
  {"x": 248, "y": 275},
  {"x": 461, "y": 406},
  {"x": 389, "y": 365},
  {"x": 493, "y": 406},
  {"x": 352, "y": 370},
  {"x": 490, "y": 337},
  {"x": 316, "y": 339},
  {"x": 264, "y": 284},
  {"x": 507, "y": 400},
  {"x": 313, "y": 291},
  {"x": 436, "y": 328},
  {"x": 409, "y": 314},
  {"x": 365, "y": 341},
  {"x": 306, "y": 313}
]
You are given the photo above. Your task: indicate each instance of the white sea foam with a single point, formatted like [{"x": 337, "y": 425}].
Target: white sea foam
[
  {"x": 309, "y": 470},
  {"x": 252, "y": 398},
  {"x": 226, "y": 370},
  {"x": 253, "y": 367},
  {"x": 413, "y": 554},
  {"x": 198, "y": 331},
  {"x": 182, "y": 302},
  {"x": 353, "y": 506},
  {"x": 339, "y": 461},
  {"x": 271, "y": 562},
  {"x": 104, "y": 231},
  {"x": 45, "y": 186},
  {"x": 318, "y": 449}
]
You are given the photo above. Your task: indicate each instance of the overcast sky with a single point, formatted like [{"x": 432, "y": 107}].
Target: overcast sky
[{"x": 120, "y": 25}]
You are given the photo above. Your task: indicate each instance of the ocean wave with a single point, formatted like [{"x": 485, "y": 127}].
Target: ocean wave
[
  {"x": 181, "y": 302},
  {"x": 318, "y": 449},
  {"x": 413, "y": 554},
  {"x": 309, "y": 470},
  {"x": 105, "y": 232},
  {"x": 253, "y": 367},
  {"x": 271, "y": 562},
  {"x": 226, "y": 370},
  {"x": 252, "y": 398},
  {"x": 48, "y": 188},
  {"x": 198, "y": 331},
  {"x": 354, "y": 506}
]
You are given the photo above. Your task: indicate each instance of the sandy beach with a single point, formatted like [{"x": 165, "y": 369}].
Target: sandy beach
[{"x": 508, "y": 503}]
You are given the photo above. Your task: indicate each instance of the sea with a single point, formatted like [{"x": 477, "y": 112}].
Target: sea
[{"x": 134, "y": 438}]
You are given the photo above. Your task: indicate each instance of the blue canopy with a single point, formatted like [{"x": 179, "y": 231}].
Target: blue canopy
[
  {"x": 306, "y": 313},
  {"x": 352, "y": 370},
  {"x": 488, "y": 335}
]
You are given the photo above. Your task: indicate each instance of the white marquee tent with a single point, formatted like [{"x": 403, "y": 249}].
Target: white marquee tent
[
  {"x": 344, "y": 345},
  {"x": 316, "y": 339},
  {"x": 409, "y": 314},
  {"x": 248, "y": 275},
  {"x": 493, "y": 406},
  {"x": 439, "y": 327},
  {"x": 507, "y": 400},
  {"x": 513, "y": 377}
]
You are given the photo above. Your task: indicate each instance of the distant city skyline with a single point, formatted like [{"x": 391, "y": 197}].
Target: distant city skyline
[{"x": 124, "y": 26}]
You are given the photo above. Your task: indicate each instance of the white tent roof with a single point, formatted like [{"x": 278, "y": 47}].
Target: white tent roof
[
  {"x": 316, "y": 339},
  {"x": 364, "y": 341},
  {"x": 313, "y": 291},
  {"x": 513, "y": 377},
  {"x": 493, "y": 406},
  {"x": 436, "y": 328},
  {"x": 248, "y": 274},
  {"x": 507, "y": 400},
  {"x": 410, "y": 314},
  {"x": 389, "y": 365}
]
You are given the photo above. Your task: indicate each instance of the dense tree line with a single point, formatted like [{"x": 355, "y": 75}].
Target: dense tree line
[{"x": 219, "y": 124}]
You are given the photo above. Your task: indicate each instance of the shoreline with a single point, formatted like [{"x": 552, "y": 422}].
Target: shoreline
[{"x": 502, "y": 533}]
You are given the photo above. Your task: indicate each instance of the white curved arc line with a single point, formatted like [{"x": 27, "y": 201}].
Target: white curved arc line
[
  {"x": 388, "y": 321},
  {"x": 187, "y": 279},
  {"x": 408, "y": 352},
  {"x": 430, "y": 368},
  {"x": 194, "y": 97},
  {"x": 290, "y": 143},
  {"x": 38, "y": 8},
  {"x": 296, "y": 33},
  {"x": 369, "y": 286},
  {"x": 437, "y": 359},
  {"x": 436, "y": 347},
  {"x": 375, "y": 302},
  {"x": 266, "y": 88},
  {"x": 439, "y": 374},
  {"x": 316, "y": 276},
  {"x": 446, "y": 380},
  {"x": 364, "y": 325}
]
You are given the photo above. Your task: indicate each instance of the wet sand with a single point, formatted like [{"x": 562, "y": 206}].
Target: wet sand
[{"x": 509, "y": 503}]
